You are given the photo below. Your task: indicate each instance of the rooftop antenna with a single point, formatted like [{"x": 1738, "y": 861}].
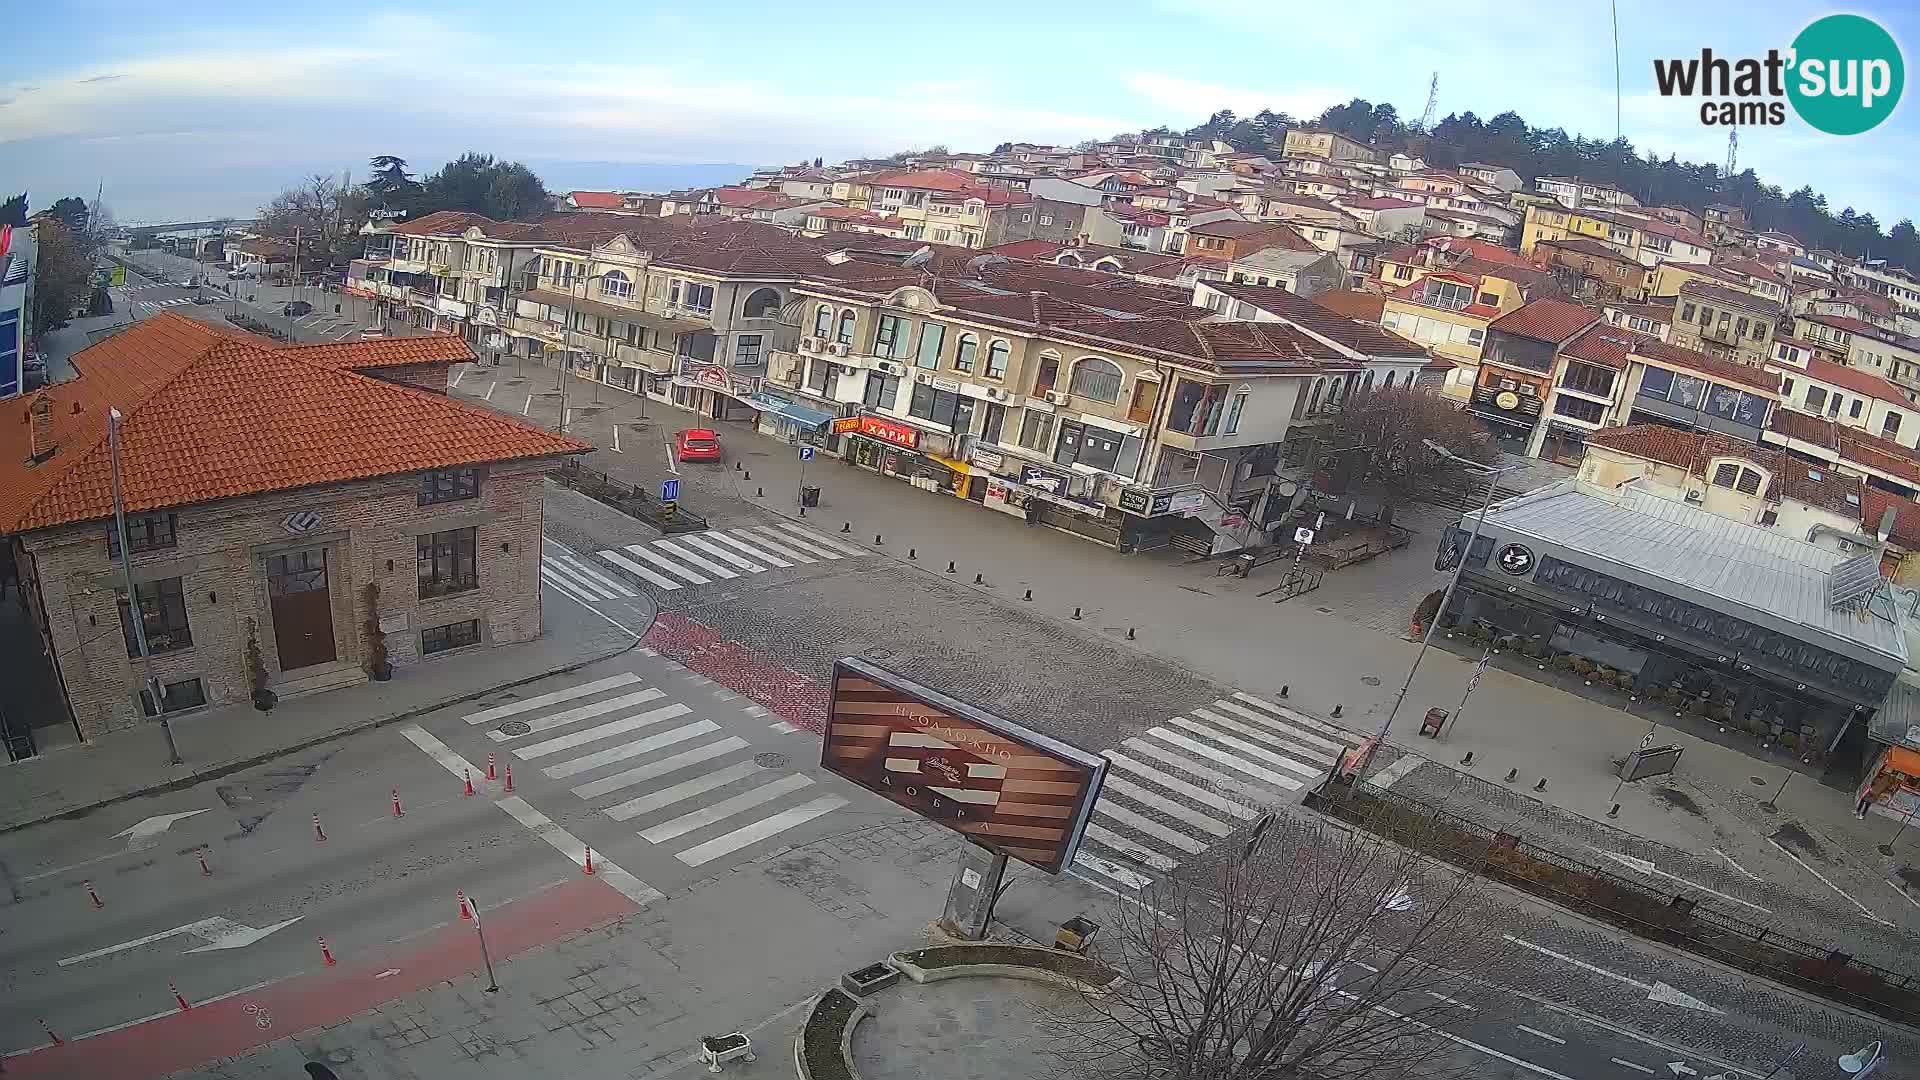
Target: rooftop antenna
[{"x": 1733, "y": 151}]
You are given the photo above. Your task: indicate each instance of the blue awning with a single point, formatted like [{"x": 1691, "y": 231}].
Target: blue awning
[{"x": 799, "y": 414}]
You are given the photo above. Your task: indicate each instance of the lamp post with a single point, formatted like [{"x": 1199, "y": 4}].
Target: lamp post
[
  {"x": 1864, "y": 1061},
  {"x": 480, "y": 931},
  {"x": 1493, "y": 474}
]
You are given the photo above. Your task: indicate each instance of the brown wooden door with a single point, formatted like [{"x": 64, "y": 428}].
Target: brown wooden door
[{"x": 302, "y": 608}]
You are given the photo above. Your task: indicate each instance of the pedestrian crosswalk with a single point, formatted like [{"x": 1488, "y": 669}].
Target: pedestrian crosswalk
[
  {"x": 150, "y": 306},
  {"x": 572, "y": 575},
  {"x": 674, "y": 563},
  {"x": 678, "y": 778},
  {"x": 1181, "y": 786}
]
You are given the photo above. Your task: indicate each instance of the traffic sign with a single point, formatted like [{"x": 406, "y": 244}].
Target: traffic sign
[
  {"x": 1303, "y": 535},
  {"x": 806, "y": 453},
  {"x": 670, "y": 489}
]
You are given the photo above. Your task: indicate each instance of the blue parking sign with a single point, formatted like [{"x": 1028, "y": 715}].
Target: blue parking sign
[
  {"x": 806, "y": 453},
  {"x": 670, "y": 490}
]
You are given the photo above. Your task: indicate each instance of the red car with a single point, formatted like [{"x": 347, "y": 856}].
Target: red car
[{"x": 699, "y": 444}]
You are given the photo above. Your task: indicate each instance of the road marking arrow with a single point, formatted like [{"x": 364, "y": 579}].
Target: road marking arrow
[
  {"x": 217, "y": 932},
  {"x": 1680, "y": 1069},
  {"x": 1655, "y": 991},
  {"x": 1667, "y": 995},
  {"x": 144, "y": 833}
]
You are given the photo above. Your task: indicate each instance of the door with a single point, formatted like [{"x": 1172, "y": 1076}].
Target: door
[{"x": 302, "y": 607}]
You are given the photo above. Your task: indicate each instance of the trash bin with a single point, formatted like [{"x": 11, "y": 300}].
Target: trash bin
[{"x": 810, "y": 497}]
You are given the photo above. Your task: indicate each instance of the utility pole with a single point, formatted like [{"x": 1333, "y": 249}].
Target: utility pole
[{"x": 134, "y": 616}]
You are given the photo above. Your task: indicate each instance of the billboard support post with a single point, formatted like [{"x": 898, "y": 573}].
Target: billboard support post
[{"x": 976, "y": 885}]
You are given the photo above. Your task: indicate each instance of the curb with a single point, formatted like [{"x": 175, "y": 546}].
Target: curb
[{"x": 228, "y": 768}]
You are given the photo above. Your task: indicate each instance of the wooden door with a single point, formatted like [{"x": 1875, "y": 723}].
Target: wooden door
[{"x": 302, "y": 608}]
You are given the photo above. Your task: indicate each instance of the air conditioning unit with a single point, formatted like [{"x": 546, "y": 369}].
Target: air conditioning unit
[
  {"x": 997, "y": 394},
  {"x": 809, "y": 344},
  {"x": 1693, "y": 496},
  {"x": 841, "y": 348},
  {"x": 922, "y": 376},
  {"x": 1056, "y": 397},
  {"x": 890, "y": 367}
]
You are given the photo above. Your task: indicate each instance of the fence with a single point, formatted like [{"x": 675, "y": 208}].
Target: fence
[
  {"x": 629, "y": 500},
  {"x": 1676, "y": 919}
]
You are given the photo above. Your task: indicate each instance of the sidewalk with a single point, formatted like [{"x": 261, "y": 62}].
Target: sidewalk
[{"x": 218, "y": 741}]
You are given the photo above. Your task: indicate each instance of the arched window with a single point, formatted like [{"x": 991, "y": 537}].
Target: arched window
[
  {"x": 1048, "y": 375},
  {"x": 997, "y": 360},
  {"x": 1068, "y": 259},
  {"x": 1366, "y": 384},
  {"x": 616, "y": 283},
  {"x": 761, "y": 304},
  {"x": 845, "y": 336},
  {"x": 1313, "y": 402},
  {"x": 963, "y": 353},
  {"x": 1097, "y": 379},
  {"x": 1388, "y": 384},
  {"x": 822, "y": 321}
]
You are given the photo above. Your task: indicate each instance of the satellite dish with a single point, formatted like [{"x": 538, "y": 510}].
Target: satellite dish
[{"x": 919, "y": 258}]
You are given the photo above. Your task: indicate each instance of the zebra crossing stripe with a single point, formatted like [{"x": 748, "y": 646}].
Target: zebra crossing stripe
[
  {"x": 1142, "y": 824},
  {"x": 602, "y": 731},
  {"x": 821, "y": 541},
  {"x": 723, "y": 538},
  {"x": 1109, "y": 839},
  {"x": 638, "y": 571},
  {"x": 1248, "y": 748},
  {"x": 588, "y": 572},
  {"x": 631, "y": 750},
  {"x": 1175, "y": 784},
  {"x": 1130, "y": 878},
  {"x": 1174, "y": 810},
  {"x": 1224, "y": 758},
  {"x": 1256, "y": 795},
  {"x": 723, "y": 554},
  {"x": 587, "y": 712},
  {"x": 1298, "y": 734},
  {"x": 552, "y": 568},
  {"x": 541, "y": 701},
  {"x": 1295, "y": 716},
  {"x": 666, "y": 564},
  {"x": 560, "y": 584},
  {"x": 773, "y": 541},
  {"x": 703, "y": 563},
  {"x": 686, "y": 789},
  {"x": 670, "y": 764},
  {"x": 725, "y": 808},
  {"x": 1311, "y": 753},
  {"x": 774, "y": 825}
]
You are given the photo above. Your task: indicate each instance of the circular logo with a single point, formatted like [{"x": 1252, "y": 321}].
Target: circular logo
[
  {"x": 1516, "y": 559},
  {"x": 1847, "y": 74},
  {"x": 1507, "y": 399}
]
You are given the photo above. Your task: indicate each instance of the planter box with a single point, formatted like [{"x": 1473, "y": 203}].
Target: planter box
[
  {"x": 869, "y": 980},
  {"x": 1004, "y": 961},
  {"x": 829, "y": 1028}
]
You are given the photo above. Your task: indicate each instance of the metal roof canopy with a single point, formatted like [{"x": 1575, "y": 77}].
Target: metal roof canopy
[{"x": 1853, "y": 579}]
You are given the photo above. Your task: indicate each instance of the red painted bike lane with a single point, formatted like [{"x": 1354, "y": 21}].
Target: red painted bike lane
[
  {"x": 797, "y": 699},
  {"x": 239, "y": 1023}
]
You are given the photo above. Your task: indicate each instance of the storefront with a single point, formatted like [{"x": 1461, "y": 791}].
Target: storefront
[
  {"x": 711, "y": 390},
  {"x": 784, "y": 418}
]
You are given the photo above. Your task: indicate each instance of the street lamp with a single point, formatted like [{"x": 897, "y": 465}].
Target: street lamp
[
  {"x": 1864, "y": 1060},
  {"x": 479, "y": 931},
  {"x": 1493, "y": 473}
]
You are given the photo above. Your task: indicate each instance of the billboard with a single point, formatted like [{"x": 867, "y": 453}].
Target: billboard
[{"x": 1009, "y": 789}]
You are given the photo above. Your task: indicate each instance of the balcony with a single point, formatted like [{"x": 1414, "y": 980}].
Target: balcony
[
  {"x": 407, "y": 266},
  {"x": 787, "y": 369},
  {"x": 447, "y": 305},
  {"x": 550, "y": 332},
  {"x": 657, "y": 362}
]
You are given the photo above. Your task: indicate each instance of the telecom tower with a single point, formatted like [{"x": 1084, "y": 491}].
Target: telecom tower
[{"x": 1433, "y": 102}]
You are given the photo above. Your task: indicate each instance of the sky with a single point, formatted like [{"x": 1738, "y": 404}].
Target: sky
[{"x": 208, "y": 108}]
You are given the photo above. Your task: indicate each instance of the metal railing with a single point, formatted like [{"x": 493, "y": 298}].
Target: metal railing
[
  {"x": 629, "y": 500},
  {"x": 1679, "y": 919}
]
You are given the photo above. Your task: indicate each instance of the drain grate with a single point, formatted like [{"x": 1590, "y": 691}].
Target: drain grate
[
  {"x": 515, "y": 727},
  {"x": 1757, "y": 781},
  {"x": 770, "y": 760}
]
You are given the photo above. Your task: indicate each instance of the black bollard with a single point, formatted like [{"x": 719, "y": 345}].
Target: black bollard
[
  {"x": 1130, "y": 633},
  {"x": 1614, "y": 812},
  {"x": 1511, "y": 773},
  {"x": 1336, "y": 710},
  {"x": 1284, "y": 689},
  {"x": 1542, "y": 785},
  {"x": 759, "y": 493},
  {"x": 1468, "y": 760},
  {"x": 979, "y": 580},
  {"x": 846, "y": 526},
  {"x": 1076, "y": 613},
  {"x": 748, "y": 476},
  {"x": 912, "y": 553},
  {"x": 736, "y": 466},
  {"x": 877, "y": 542},
  {"x": 1029, "y": 595},
  {"x": 950, "y": 566}
]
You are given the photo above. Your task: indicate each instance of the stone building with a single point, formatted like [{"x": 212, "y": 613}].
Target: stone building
[{"x": 272, "y": 494}]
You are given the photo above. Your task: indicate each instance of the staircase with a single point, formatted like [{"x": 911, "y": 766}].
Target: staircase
[{"x": 319, "y": 679}]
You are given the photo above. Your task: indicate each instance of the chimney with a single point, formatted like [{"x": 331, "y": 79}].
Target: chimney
[{"x": 40, "y": 445}]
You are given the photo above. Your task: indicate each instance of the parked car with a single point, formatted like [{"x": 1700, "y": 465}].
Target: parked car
[
  {"x": 372, "y": 332},
  {"x": 699, "y": 444},
  {"x": 297, "y": 308}
]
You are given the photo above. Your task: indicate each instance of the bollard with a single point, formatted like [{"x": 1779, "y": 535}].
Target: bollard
[
  {"x": 913, "y": 553},
  {"x": 491, "y": 775},
  {"x": 466, "y": 913},
  {"x": 178, "y": 998},
  {"x": 1028, "y": 596},
  {"x": 396, "y": 803},
  {"x": 1511, "y": 773},
  {"x": 1130, "y": 633},
  {"x": 846, "y": 526},
  {"x": 1336, "y": 710},
  {"x": 979, "y": 579},
  {"x": 1076, "y": 613},
  {"x": 1468, "y": 760},
  {"x": 803, "y": 511},
  {"x": 468, "y": 773},
  {"x": 1542, "y": 785},
  {"x": 509, "y": 776},
  {"x": 736, "y": 466},
  {"x": 1614, "y": 811},
  {"x": 748, "y": 476},
  {"x": 91, "y": 895},
  {"x": 326, "y": 953},
  {"x": 205, "y": 870},
  {"x": 877, "y": 541},
  {"x": 950, "y": 566},
  {"x": 759, "y": 493},
  {"x": 319, "y": 834},
  {"x": 1283, "y": 689},
  {"x": 57, "y": 1040},
  {"x": 589, "y": 866}
]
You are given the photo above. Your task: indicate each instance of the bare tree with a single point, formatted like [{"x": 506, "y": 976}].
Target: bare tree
[
  {"x": 323, "y": 211},
  {"x": 1317, "y": 952},
  {"x": 1380, "y": 438}
]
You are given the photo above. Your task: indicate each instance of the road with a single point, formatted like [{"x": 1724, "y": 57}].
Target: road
[{"x": 162, "y": 283}]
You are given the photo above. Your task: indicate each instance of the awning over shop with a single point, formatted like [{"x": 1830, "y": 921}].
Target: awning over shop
[
  {"x": 799, "y": 414},
  {"x": 1897, "y": 721},
  {"x": 960, "y": 467},
  {"x": 666, "y": 324}
]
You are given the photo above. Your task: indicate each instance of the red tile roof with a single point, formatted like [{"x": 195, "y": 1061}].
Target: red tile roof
[
  {"x": 1865, "y": 383},
  {"x": 1605, "y": 345},
  {"x": 1875, "y": 503},
  {"x": 1309, "y": 315},
  {"x": 1551, "y": 321},
  {"x": 1381, "y": 203},
  {"x": 443, "y": 223},
  {"x": 211, "y": 414},
  {"x": 1352, "y": 303},
  {"x": 1589, "y": 247},
  {"x": 1655, "y": 442},
  {"x": 1028, "y": 249},
  {"x": 1726, "y": 371},
  {"x": 597, "y": 200}
]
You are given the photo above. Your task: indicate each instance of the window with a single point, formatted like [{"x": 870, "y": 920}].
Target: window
[
  {"x": 1587, "y": 379},
  {"x": 1749, "y": 482},
  {"x": 997, "y": 360},
  {"x": 1706, "y": 316},
  {"x": 449, "y": 485},
  {"x": 1726, "y": 475},
  {"x": 1097, "y": 379},
  {"x": 890, "y": 336},
  {"x": 845, "y": 335},
  {"x": 1816, "y": 398},
  {"x": 163, "y": 617},
  {"x": 1759, "y": 329},
  {"x": 1036, "y": 431},
  {"x": 446, "y": 562},
  {"x": 761, "y": 304},
  {"x": 932, "y": 336},
  {"x": 1740, "y": 328},
  {"x": 1786, "y": 388},
  {"x": 881, "y": 391},
  {"x": 1577, "y": 409},
  {"x": 818, "y": 374},
  {"x": 636, "y": 336},
  {"x": 1447, "y": 294},
  {"x": 1890, "y": 426},
  {"x": 935, "y": 406},
  {"x": 1240, "y": 404},
  {"x": 145, "y": 532},
  {"x": 174, "y": 696},
  {"x": 822, "y": 321},
  {"x": 747, "y": 350},
  {"x": 616, "y": 283},
  {"x": 693, "y": 296},
  {"x": 996, "y": 419},
  {"x": 1833, "y": 404},
  {"x": 963, "y": 353},
  {"x": 458, "y": 635},
  {"x": 1853, "y": 411},
  {"x": 1046, "y": 219},
  {"x": 1489, "y": 299}
]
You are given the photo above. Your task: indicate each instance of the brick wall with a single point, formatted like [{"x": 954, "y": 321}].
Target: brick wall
[
  {"x": 368, "y": 530},
  {"x": 425, "y": 376}
]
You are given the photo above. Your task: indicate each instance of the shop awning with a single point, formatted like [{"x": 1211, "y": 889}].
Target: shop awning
[
  {"x": 799, "y": 414},
  {"x": 960, "y": 467}
]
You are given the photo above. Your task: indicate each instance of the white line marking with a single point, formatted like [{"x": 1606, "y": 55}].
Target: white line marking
[
  {"x": 1395, "y": 772},
  {"x": 1143, "y": 824},
  {"x": 1541, "y": 1034},
  {"x": 488, "y": 396},
  {"x": 1108, "y": 838},
  {"x": 1646, "y": 866},
  {"x": 1287, "y": 783},
  {"x": 1131, "y": 879},
  {"x": 760, "y": 830},
  {"x": 542, "y": 826},
  {"x": 616, "y": 439},
  {"x": 1631, "y": 1065},
  {"x": 638, "y": 571},
  {"x": 671, "y": 764},
  {"x": 779, "y": 544},
  {"x": 781, "y": 727},
  {"x": 695, "y": 558},
  {"x": 667, "y": 445},
  {"x": 569, "y": 589},
  {"x": 667, "y": 564},
  {"x": 686, "y": 789},
  {"x": 1298, "y": 717},
  {"x": 1248, "y": 748},
  {"x": 618, "y": 588},
  {"x": 742, "y": 545},
  {"x": 1253, "y": 792},
  {"x": 820, "y": 541},
  {"x": 603, "y": 731},
  {"x": 1581, "y": 964},
  {"x": 1183, "y": 814},
  {"x": 524, "y": 409},
  {"x": 756, "y": 710},
  {"x": 559, "y": 575},
  {"x": 1172, "y": 783},
  {"x": 629, "y": 750},
  {"x": 1311, "y": 753},
  {"x": 719, "y": 552},
  {"x": 1864, "y": 910},
  {"x": 586, "y": 712},
  {"x": 541, "y": 701},
  {"x": 1291, "y": 731},
  {"x": 725, "y": 808},
  {"x": 461, "y": 374},
  {"x": 1895, "y": 886},
  {"x": 1751, "y": 876}
]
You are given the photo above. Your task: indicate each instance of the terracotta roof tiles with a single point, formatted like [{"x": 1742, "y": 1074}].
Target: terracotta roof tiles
[{"x": 1551, "y": 321}]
